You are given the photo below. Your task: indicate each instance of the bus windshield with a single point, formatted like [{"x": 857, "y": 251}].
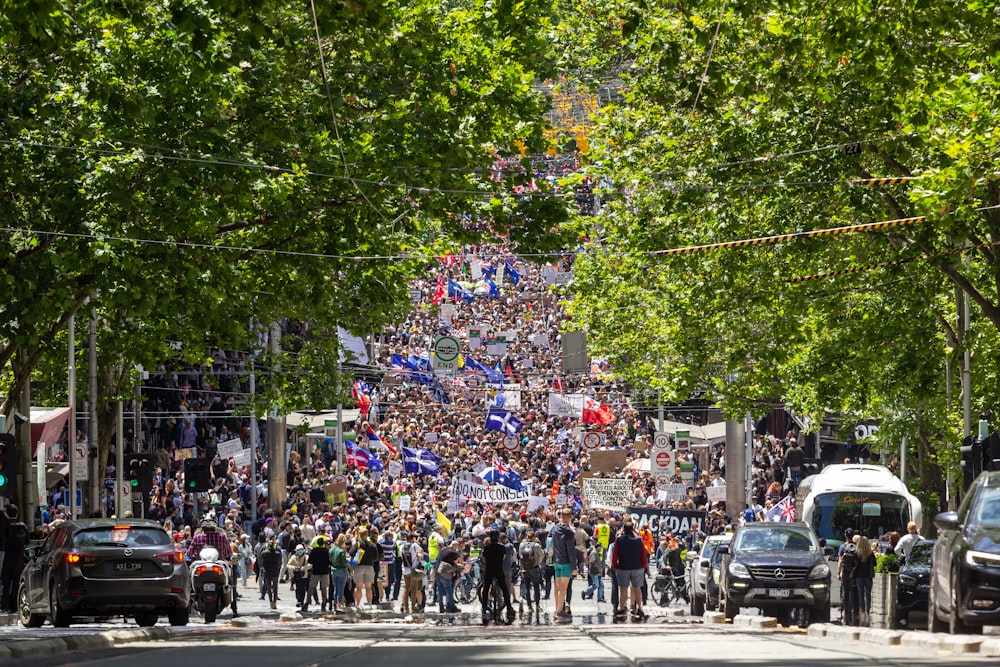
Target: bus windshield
[{"x": 871, "y": 514}]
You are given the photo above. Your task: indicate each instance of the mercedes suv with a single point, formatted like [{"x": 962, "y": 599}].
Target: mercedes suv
[{"x": 776, "y": 567}]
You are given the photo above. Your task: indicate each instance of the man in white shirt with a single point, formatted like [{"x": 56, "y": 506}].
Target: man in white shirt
[{"x": 907, "y": 541}]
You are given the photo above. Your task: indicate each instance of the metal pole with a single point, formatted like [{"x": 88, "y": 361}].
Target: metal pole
[
  {"x": 253, "y": 447},
  {"x": 902, "y": 460},
  {"x": 71, "y": 420},
  {"x": 120, "y": 459},
  {"x": 95, "y": 483},
  {"x": 748, "y": 460},
  {"x": 338, "y": 443}
]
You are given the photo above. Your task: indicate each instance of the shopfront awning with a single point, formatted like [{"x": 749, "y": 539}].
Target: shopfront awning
[{"x": 47, "y": 425}]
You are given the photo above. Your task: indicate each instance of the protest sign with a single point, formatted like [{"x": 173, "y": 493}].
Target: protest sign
[
  {"x": 607, "y": 494},
  {"x": 662, "y": 520}
]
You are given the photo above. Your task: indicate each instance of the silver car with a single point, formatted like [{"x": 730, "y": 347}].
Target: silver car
[
  {"x": 701, "y": 570},
  {"x": 105, "y": 567}
]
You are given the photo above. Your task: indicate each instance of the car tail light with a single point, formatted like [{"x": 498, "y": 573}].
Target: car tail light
[
  {"x": 171, "y": 556},
  {"x": 76, "y": 558}
]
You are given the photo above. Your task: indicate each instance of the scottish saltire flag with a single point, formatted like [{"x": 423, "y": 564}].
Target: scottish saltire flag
[
  {"x": 456, "y": 291},
  {"x": 511, "y": 273},
  {"x": 375, "y": 442},
  {"x": 502, "y": 474},
  {"x": 506, "y": 422},
  {"x": 420, "y": 462}
]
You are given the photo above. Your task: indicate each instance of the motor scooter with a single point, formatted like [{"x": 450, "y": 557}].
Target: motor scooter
[{"x": 211, "y": 584}]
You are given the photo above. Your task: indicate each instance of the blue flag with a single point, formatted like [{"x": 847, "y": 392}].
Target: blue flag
[
  {"x": 502, "y": 474},
  {"x": 494, "y": 290},
  {"x": 511, "y": 273},
  {"x": 420, "y": 462},
  {"x": 504, "y": 421},
  {"x": 474, "y": 367},
  {"x": 455, "y": 290}
]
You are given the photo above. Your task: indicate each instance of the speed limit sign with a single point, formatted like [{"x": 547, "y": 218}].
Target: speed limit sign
[
  {"x": 592, "y": 440},
  {"x": 338, "y": 479},
  {"x": 661, "y": 440},
  {"x": 510, "y": 443}
]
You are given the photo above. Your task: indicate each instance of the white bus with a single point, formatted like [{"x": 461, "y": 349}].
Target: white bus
[{"x": 868, "y": 498}]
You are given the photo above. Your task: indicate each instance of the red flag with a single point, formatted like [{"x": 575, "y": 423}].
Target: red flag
[
  {"x": 596, "y": 413},
  {"x": 362, "y": 399},
  {"x": 439, "y": 292}
]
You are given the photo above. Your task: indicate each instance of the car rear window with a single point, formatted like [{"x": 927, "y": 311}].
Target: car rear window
[{"x": 121, "y": 536}]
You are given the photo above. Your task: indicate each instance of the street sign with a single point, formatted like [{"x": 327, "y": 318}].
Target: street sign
[
  {"x": 510, "y": 443},
  {"x": 592, "y": 440},
  {"x": 661, "y": 440},
  {"x": 338, "y": 479},
  {"x": 444, "y": 355},
  {"x": 662, "y": 483},
  {"x": 662, "y": 462},
  {"x": 80, "y": 467}
]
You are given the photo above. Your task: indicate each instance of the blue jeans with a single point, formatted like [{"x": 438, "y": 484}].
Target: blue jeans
[
  {"x": 531, "y": 586},
  {"x": 445, "y": 591},
  {"x": 864, "y": 585},
  {"x": 596, "y": 583},
  {"x": 339, "y": 577}
]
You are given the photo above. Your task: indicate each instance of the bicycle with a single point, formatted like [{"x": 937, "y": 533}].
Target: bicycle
[
  {"x": 494, "y": 604},
  {"x": 465, "y": 585},
  {"x": 667, "y": 589}
]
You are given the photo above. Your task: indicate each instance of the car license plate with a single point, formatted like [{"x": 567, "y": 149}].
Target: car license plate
[
  {"x": 128, "y": 566},
  {"x": 780, "y": 592},
  {"x": 208, "y": 587}
]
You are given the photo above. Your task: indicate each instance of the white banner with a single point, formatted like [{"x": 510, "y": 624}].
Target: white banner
[
  {"x": 716, "y": 494},
  {"x": 537, "y": 503},
  {"x": 607, "y": 494},
  {"x": 230, "y": 448},
  {"x": 242, "y": 459},
  {"x": 672, "y": 492},
  {"x": 565, "y": 405},
  {"x": 493, "y": 495}
]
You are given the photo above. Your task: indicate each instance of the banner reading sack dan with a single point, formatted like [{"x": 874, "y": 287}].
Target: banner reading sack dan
[{"x": 661, "y": 521}]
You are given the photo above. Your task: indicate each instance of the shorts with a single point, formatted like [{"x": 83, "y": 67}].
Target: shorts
[
  {"x": 319, "y": 581},
  {"x": 563, "y": 570},
  {"x": 634, "y": 578},
  {"x": 364, "y": 574}
]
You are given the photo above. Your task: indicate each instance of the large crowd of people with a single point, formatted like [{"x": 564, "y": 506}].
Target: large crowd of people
[{"x": 404, "y": 522}]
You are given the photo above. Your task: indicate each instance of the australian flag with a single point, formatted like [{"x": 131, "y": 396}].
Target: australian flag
[
  {"x": 420, "y": 462},
  {"x": 504, "y": 421},
  {"x": 494, "y": 290},
  {"x": 504, "y": 475},
  {"x": 473, "y": 367},
  {"x": 511, "y": 273},
  {"x": 456, "y": 291}
]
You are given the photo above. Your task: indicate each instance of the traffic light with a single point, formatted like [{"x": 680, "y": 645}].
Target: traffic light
[
  {"x": 972, "y": 460},
  {"x": 139, "y": 473},
  {"x": 197, "y": 475},
  {"x": 991, "y": 452},
  {"x": 8, "y": 464}
]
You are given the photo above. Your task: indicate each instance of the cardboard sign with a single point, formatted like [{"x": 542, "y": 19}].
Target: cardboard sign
[
  {"x": 336, "y": 493},
  {"x": 607, "y": 460}
]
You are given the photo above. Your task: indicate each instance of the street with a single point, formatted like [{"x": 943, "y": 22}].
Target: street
[{"x": 318, "y": 644}]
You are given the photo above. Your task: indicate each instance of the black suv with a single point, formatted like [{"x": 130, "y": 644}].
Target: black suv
[
  {"x": 105, "y": 567},
  {"x": 777, "y": 567},
  {"x": 965, "y": 568}
]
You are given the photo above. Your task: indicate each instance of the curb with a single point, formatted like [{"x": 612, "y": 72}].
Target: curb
[
  {"x": 955, "y": 644},
  {"x": 25, "y": 648}
]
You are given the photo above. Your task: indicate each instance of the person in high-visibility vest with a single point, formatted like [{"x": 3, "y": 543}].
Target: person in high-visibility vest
[{"x": 602, "y": 533}]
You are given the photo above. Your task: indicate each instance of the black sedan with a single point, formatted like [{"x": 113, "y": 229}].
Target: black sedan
[
  {"x": 965, "y": 568},
  {"x": 913, "y": 582},
  {"x": 105, "y": 567}
]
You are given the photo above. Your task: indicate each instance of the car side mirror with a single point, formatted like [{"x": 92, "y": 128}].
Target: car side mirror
[
  {"x": 723, "y": 549},
  {"x": 947, "y": 521},
  {"x": 704, "y": 564}
]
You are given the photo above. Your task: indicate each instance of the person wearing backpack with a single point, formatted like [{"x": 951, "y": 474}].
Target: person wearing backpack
[
  {"x": 531, "y": 556},
  {"x": 595, "y": 572},
  {"x": 847, "y": 565}
]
